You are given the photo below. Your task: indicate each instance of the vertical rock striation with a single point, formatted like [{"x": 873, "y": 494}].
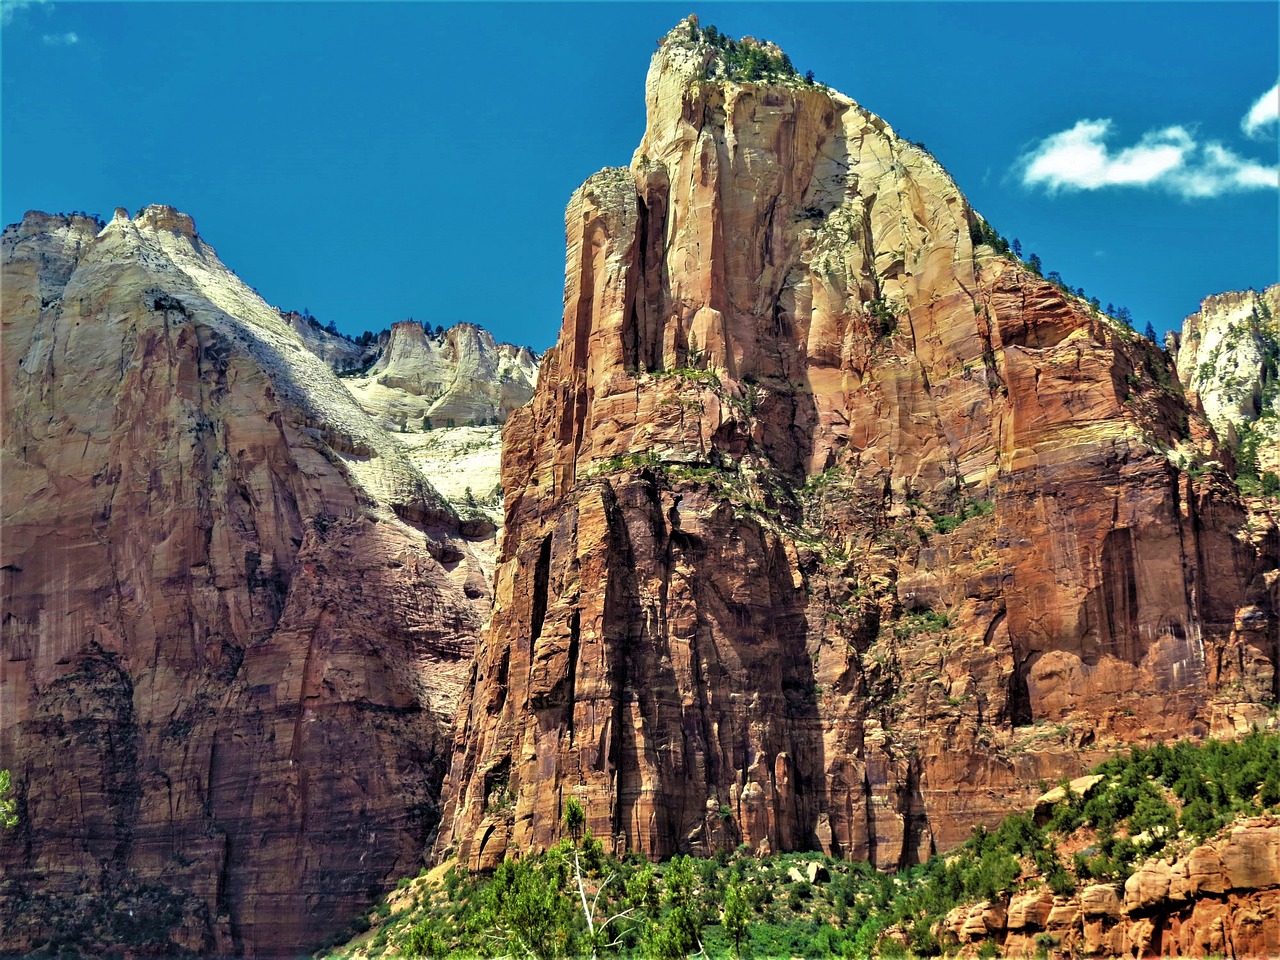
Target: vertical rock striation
[
  {"x": 236, "y": 618},
  {"x": 828, "y": 527}
]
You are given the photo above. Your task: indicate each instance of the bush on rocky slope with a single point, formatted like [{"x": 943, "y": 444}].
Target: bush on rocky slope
[{"x": 1155, "y": 801}]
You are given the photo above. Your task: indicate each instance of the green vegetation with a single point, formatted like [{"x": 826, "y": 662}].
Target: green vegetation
[
  {"x": 884, "y": 316},
  {"x": 947, "y": 522},
  {"x": 705, "y": 378},
  {"x": 626, "y": 461},
  {"x": 1262, "y": 329},
  {"x": 744, "y": 61},
  {"x": 8, "y": 805},
  {"x": 1250, "y": 480},
  {"x": 575, "y": 900},
  {"x": 982, "y": 232},
  {"x": 926, "y": 621}
]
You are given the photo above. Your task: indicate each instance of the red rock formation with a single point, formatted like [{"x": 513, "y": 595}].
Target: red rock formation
[
  {"x": 236, "y": 619},
  {"x": 827, "y": 526},
  {"x": 1220, "y": 899}
]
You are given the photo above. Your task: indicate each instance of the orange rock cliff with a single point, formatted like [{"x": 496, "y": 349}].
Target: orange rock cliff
[{"x": 828, "y": 527}]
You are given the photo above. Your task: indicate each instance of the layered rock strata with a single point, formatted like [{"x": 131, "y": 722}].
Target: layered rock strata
[
  {"x": 827, "y": 527},
  {"x": 1220, "y": 899},
  {"x": 236, "y": 617}
]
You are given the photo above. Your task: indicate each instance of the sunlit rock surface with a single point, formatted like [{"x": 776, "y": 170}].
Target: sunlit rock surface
[
  {"x": 828, "y": 527},
  {"x": 236, "y": 618}
]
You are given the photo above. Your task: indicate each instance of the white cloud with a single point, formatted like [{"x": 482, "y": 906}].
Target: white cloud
[
  {"x": 1264, "y": 113},
  {"x": 10, "y": 9},
  {"x": 1169, "y": 159},
  {"x": 61, "y": 39}
]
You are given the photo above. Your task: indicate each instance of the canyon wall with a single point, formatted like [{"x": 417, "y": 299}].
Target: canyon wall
[
  {"x": 236, "y": 620},
  {"x": 827, "y": 526}
]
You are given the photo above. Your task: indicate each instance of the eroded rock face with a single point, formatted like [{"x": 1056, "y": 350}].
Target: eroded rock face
[
  {"x": 342, "y": 355},
  {"x": 1228, "y": 356},
  {"x": 1220, "y": 899},
  {"x": 458, "y": 378},
  {"x": 826, "y": 526},
  {"x": 236, "y": 617},
  {"x": 443, "y": 397}
]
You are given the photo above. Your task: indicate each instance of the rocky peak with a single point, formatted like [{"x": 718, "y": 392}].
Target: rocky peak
[
  {"x": 692, "y": 52},
  {"x": 823, "y": 509},
  {"x": 461, "y": 375},
  {"x": 237, "y": 618},
  {"x": 56, "y": 240},
  {"x": 36, "y": 223},
  {"x": 158, "y": 216}
]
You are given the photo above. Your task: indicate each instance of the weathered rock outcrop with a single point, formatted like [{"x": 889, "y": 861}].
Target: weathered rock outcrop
[
  {"x": 457, "y": 378},
  {"x": 827, "y": 527},
  {"x": 443, "y": 395},
  {"x": 341, "y": 354},
  {"x": 1228, "y": 356},
  {"x": 1220, "y": 899},
  {"x": 236, "y": 618}
]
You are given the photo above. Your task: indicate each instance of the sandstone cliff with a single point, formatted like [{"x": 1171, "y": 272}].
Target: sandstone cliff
[
  {"x": 236, "y": 617},
  {"x": 1228, "y": 355},
  {"x": 458, "y": 378},
  {"x": 443, "y": 396},
  {"x": 1220, "y": 899},
  {"x": 341, "y": 354},
  {"x": 827, "y": 527}
]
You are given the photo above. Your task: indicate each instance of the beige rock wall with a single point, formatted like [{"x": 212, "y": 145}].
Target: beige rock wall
[
  {"x": 460, "y": 378},
  {"x": 1227, "y": 358}
]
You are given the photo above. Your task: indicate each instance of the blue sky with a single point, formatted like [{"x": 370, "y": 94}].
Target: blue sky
[{"x": 371, "y": 162}]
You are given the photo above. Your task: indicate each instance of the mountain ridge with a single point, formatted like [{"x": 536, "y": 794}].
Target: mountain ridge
[
  {"x": 192, "y": 501},
  {"x": 829, "y": 526}
]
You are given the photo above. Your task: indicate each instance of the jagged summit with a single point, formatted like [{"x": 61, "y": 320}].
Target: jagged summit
[
  {"x": 160, "y": 216},
  {"x": 461, "y": 375}
]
